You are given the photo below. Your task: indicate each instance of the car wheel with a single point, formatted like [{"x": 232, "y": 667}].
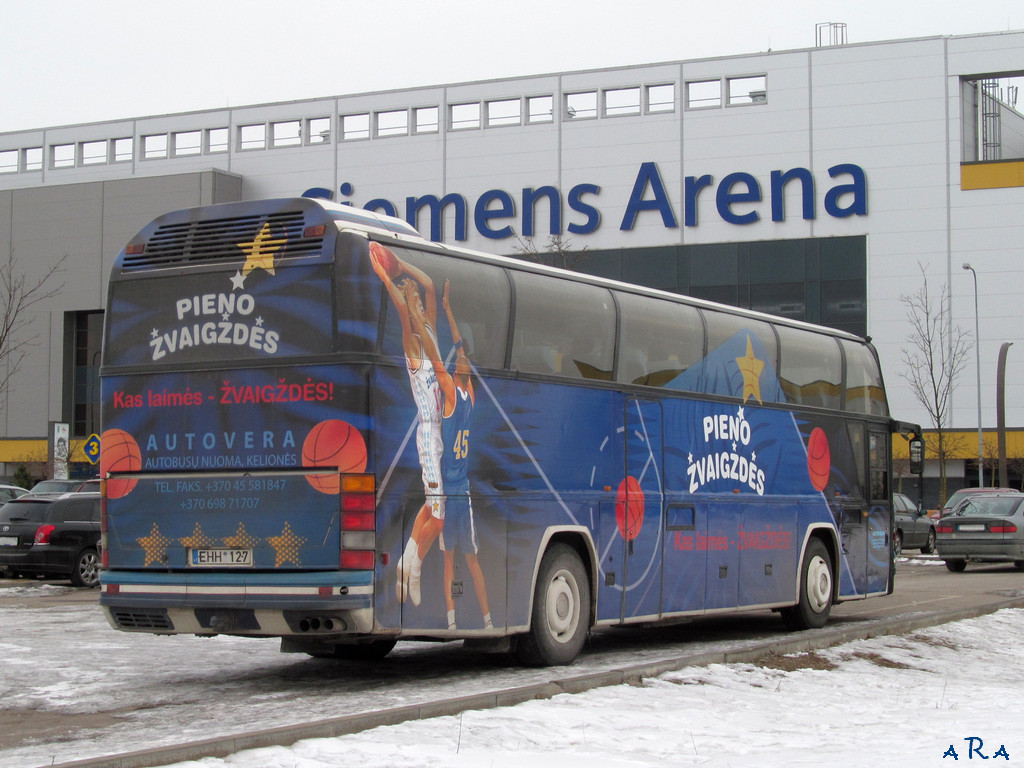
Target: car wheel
[
  {"x": 956, "y": 566},
  {"x": 929, "y": 546},
  {"x": 86, "y": 570},
  {"x": 815, "y": 590},
  {"x": 560, "y": 619},
  {"x": 897, "y": 544}
]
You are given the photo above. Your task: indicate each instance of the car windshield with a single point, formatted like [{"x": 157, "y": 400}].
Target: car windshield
[
  {"x": 56, "y": 486},
  {"x": 998, "y": 506},
  {"x": 27, "y": 511}
]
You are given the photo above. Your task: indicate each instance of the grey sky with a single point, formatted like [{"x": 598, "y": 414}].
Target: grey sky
[{"x": 67, "y": 61}]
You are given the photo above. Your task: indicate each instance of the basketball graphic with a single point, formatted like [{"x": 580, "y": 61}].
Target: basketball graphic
[
  {"x": 387, "y": 259},
  {"x": 119, "y": 453},
  {"x": 819, "y": 458},
  {"x": 336, "y": 444},
  {"x": 629, "y": 508}
]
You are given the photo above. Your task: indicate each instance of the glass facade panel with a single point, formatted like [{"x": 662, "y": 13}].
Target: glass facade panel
[{"x": 87, "y": 336}]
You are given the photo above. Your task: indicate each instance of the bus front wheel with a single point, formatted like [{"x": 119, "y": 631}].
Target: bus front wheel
[
  {"x": 815, "y": 590},
  {"x": 561, "y": 610}
]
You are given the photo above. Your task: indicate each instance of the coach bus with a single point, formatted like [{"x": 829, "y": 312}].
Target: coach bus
[{"x": 321, "y": 427}]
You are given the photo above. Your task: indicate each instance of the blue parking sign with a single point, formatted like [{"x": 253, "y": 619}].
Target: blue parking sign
[{"x": 91, "y": 449}]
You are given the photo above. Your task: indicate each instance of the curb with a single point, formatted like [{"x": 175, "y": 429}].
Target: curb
[{"x": 339, "y": 726}]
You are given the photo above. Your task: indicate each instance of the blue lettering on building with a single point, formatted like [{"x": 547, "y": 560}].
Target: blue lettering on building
[{"x": 737, "y": 198}]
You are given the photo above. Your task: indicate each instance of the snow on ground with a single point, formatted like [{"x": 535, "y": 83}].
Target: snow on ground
[{"x": 890, "y": 701}]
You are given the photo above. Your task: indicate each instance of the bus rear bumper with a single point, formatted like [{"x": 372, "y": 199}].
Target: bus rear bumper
[{"x": 259, "y": 605}]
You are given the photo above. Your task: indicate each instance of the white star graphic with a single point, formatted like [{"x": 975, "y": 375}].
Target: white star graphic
[
  {"x": 237, "y": 281},
  {"x": 154, "y": 333}
]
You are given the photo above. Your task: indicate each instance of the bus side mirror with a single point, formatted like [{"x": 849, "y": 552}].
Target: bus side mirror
[{"x": 916, "y": 456}]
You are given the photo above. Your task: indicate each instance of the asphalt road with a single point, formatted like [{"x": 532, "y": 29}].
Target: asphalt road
[{"x": 422, "y": 680}]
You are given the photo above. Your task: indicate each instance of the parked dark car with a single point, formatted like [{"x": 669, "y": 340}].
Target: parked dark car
[
  {"x": 55, "y": 537},
  {"x": 913, "y": 528},
  {"x": 983, "y": 528}
]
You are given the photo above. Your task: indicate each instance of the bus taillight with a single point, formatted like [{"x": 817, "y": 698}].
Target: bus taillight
[{"x": 358, "y": 522}]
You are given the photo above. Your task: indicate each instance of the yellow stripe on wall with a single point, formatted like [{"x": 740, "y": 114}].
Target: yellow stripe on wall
[{"x": 1009, "y": 173}]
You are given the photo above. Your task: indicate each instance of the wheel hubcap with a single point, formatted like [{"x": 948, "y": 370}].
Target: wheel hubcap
[
  {"x": 563, "y": 607},
  {"x": 819, "y": 585}
]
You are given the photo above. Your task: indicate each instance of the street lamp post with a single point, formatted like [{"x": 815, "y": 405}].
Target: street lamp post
[{"x": 977, "y": 350}]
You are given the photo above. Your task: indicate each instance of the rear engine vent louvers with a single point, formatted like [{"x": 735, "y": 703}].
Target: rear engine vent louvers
[{"x": 196, "y": 243}]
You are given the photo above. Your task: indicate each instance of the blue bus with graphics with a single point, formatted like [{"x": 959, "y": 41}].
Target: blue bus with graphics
[{"x": 319, "y": 426}]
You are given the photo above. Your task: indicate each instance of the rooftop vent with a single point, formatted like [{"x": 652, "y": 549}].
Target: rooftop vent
[{"x": 829, "y": 33}]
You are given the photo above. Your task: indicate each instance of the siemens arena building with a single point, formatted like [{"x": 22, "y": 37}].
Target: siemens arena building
[{"x": 833, "y": 184}]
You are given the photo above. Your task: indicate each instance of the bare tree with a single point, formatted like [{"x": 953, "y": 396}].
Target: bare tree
[
  {"x": 18, "y": 295},
  {"x": 559, "y": 252},
  {"x": 933, "y": 358}
]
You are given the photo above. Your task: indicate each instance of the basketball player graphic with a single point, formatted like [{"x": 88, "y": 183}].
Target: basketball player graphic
[
  {"x": 459, "y": 532},
  {"x": 418, "y": 315}
]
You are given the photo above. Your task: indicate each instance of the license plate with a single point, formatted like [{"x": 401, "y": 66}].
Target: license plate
[
  {"x": 8, "y": 541},
  {"x": 220, "y": 557},
  {"x": 971, "y": 528}
]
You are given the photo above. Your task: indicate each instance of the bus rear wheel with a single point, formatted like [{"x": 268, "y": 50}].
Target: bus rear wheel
[
  {"x": 815, "y": 602},
  {"x": 561, "y": 610}
]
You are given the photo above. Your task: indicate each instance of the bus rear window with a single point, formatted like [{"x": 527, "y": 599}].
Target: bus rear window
[{"x": 220, "y": 316}]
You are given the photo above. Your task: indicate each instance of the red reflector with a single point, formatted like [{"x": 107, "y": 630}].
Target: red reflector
[
  {"x": 325, "y": 591},
  {"x": 357, "y": 559},
  {"x": 358, "y": 502},
  {"x": 112, "y": 589},
  {"x": 356, "y": 520},
  {"x": 944, "y": 529},
  {"x": 43, "y": 534},
  {"x": 105, "y": 558},
  {"x": 314, "y": 231},
  {"x": 1009, "y": 528},
  {"x": 134, "y": 249}
]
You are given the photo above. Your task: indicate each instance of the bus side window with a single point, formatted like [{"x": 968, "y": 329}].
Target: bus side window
[
  {"x": 562, "y": 328},
  {"x": 810, "y": 368},
  {"x": 479, "y": 295},
  {"x": 657, "y": 342},
  {"x": 864, "y": 390}
]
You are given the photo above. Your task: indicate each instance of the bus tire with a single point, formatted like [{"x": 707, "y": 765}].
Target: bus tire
[
  {"x": 816, "y": 587},
  {"x": 561, "y": 610},
  {"x": 956, "y": 566}
]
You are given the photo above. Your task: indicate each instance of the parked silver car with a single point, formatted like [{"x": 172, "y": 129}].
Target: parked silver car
[
  {"x": 983, "y": 528},
  {"x": 913, "y": 528}
]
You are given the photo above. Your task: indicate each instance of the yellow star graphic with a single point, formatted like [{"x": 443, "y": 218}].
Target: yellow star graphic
[
  {"x": 197, "y": 540},
  {"x": 155, "y": 545},
  {"x": 751, "y": 369},
  {"x": 259, "y": 253},
  {"x": 286, "y": 546},
  {"x": 241, "y": 539}
]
